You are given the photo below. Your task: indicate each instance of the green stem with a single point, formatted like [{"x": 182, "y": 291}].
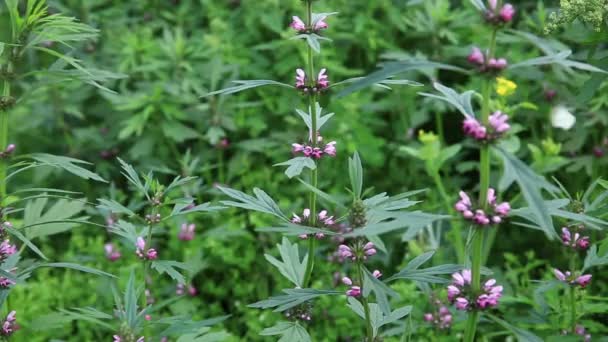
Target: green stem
[
  {"x": 365, "y": 303},
  {"x": 6, "y": 93},
  {"x": 312, "y": 104},
  {"x": 484, "y": 185},
  {"x": 573, "y": 309}
]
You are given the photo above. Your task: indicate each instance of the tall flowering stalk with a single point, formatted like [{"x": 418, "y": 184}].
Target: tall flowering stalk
[{"x": 496, "y": 16}]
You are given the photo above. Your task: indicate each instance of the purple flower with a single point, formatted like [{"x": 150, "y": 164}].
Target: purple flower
[
  {"x": 574, "y": 241},
  {"x": 474, "y": 129},
  {"x": 9, "y": 326},
  {"x": 560, "y": 275},
  {"x": 6, "y": 249},
  {"x": 112, "y": 252},
  {"x": 186, "y": 232},
  {"x": 476, "y": 57},
  {"x": 330, "y": 149},
  {"x": 499, "y": 122},
  {"x": 377, "y": 274},
  {"x": 300, "y": 79},
  {"x": 453, "y": 291},
  {"x": 322, "y": 79},
  {"x": 462, "y": 303},
  {"x": 141, "y": 251},
  {"x": 495, "y": 214},
  {"x": 583, "y": 280},
  {"x": 297, "y": 24},
  {"x": 429, "y": 317},
  {"x": 354, "y": 291},
  {"x": 345, "y": 252},
  {"x": 320, "y": 24},
  {"x": 507, "y": 12},
  {"x": 497, "y": 64},
  {"x": 5, "y": 283}
]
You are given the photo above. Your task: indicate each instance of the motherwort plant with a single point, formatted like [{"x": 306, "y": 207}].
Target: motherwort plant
[{"x": 357, "y": 228}]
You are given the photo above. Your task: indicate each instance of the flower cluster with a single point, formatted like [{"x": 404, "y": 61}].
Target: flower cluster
[
  {"x": 153, "y": 218},
  {"x": 112, "y": 253},
  {"x": 181, "y": 290},
  {"x": 460, "y": 292},
  {"x": 8, "y": 151},
  {"x": 321, "y": 83},
  {"x": 186, "y": 232},
  {"x": 355, "y": 290},
  {"x": 299, "y": 25},
  {"x": 357, "y": 251},
  {"x": 9, "y": 326},
  {"x": 441, "y": 319},
  {"x": 496, "y": 212},
  {"x": 574, "y": 240},
  {"x": 6, "y": 249},
  {"x": 567, "y": 277},
  {"x": 497, "y": 16},
  {"x": 581, "y": 331},
  {"x": 315, "y": 152},
  {"x": 323, "y": 221},
  {"x": 142, "y": 252},
  {"x": 5, "y": 283},
  {"x": 479, "y": 59},
  {"x": 498, "y": 125}
]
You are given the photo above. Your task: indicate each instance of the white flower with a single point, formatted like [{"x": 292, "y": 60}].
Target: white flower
[{"x": 562, "y": 118}]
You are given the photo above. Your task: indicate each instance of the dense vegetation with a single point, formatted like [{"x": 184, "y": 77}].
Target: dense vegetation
[{"x": 297, "y": 170}]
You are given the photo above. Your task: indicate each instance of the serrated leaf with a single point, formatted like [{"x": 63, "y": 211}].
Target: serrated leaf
[
  {"x": 531, "y": 186},
  {"x": 391, "y": 69},
  {"x": 71, "y": 165},
  {"x": 169, "y": 267},
  {"x": 77, "y": 267},
  {"x": 244, "y": 85},
  {"x": 262, "y": 202},
  {"x": 355, "y": 172},
  {"x": 292, "y": 297},
  {"x": 381, "y": 291},
  {"x": 56, "y": 219},
  {"x": 290, "y": 267},
  {"x": 560, "y": 58},
  {"x": 593, "y": 260},
  {"x": 289, "y": 331},
  {"x": 296, "y": 165},
  {"x": 114, "y": 207},
  {"x": 462, "y": 102}
]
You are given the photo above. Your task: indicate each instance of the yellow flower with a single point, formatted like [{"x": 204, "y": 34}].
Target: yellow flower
[{"x": 505, "y": 87}]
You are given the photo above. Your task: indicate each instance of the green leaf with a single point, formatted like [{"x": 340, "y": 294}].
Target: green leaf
[
  {"x": 26, "y": 241},
  {"x": 179, "y": 325},
  {"x": 291, "y": 229},
  {"x": 560, "y": 58},
  {"x": 179, "y": 132},
  {"x": 292, "y": 297},
  {"x": 296, "y": 165},
  {"x": 114, "y": 207},
  {"x": 479, "y": 5},
  {"x": 462, "y": 102},
  {"x": 289, "y": 331},
  {"x": 521, "y": 334},
  {"x": 531, "y": 186},
  {"x": 391, "y": 69},
  {"x": 355, "y": 172},
  {"x": 130, "y": 299},
  {"x": 68, "y": 164},
  {"x": 290, "y": 267},
  {"x": 313, "y": 40},
  {"x": 55, "y": 220},
  {"x": 262, "y": 202},
  {"x": 321, "y": 118},
  {"x": 168, "y": 266},
  {"x": 78, "y": 267},
  {"x": 323, "y": 195},
  {"x": 244, "y": 85},
  {"x": 593, "y": 260},
  {"x": 132, "y": 176},
  {"x": 381, "y": 291},
  {"x": 426, "y": 275}
]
